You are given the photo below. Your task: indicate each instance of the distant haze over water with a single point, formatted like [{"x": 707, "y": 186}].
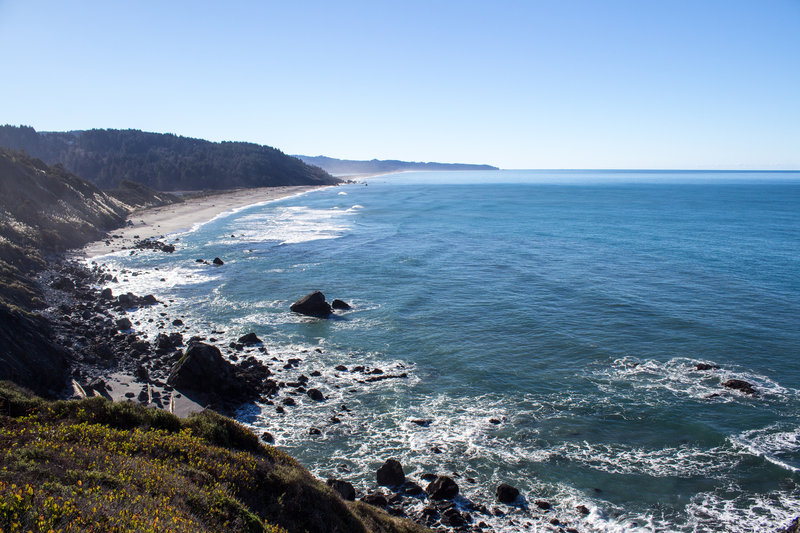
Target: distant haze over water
[{"x": 570, "y": 307}]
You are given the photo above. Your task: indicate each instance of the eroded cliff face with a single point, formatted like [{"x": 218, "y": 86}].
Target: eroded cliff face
[{"x": 46, "y": 210}]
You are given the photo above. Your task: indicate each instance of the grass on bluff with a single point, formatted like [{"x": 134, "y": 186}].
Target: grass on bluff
[{"x": 96, "y": 465}]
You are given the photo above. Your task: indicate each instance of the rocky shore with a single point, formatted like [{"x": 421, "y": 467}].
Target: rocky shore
[{"x": 111, "y": 355}]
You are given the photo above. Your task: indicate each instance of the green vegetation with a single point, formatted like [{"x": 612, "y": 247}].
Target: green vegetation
[
  {"x": 95, "y": 465},
  {"x": 163, "y": 161},
  {"x": 377, "y": 166}
]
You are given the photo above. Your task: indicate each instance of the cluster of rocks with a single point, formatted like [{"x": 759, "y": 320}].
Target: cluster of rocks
[
  {"x": 745, "y": 387},
  {"x": 154, "y": 244},
  {"x": 314, "y": 304},
  {"x": 440, "y": 505}
]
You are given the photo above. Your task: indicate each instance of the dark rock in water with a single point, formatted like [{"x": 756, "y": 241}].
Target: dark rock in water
[
  {"x": 582, "y": 509},
  {"x": 340, "y": 368},
  {"x": 339, "y": 304},
  {"x": 217, "y": 261},
  {"x": 267, "y": 437},
  {"x": 343, "y": 488},
  {"x": 740, "y": 385},
  {"x": 313, "y": 304},
  {"x": 124, "y": 324},
  {"x": 453, "y": 518},
  {"x": 428, "y": 477},
  {"x": 494, "y": 421},
  {"x": 376, "y": 498},
  {"x": 288, "y": 401},
  {"x": 424, "y": 422},
  {"x": 412, "y": 489},
  {"x": 249, "y": 339},
  {"x": 106, "y": 294},
  {"x": 442, "y": 488},
  {"x": 203, "y": 368},
  {"x": 314, "y": 431},
  {"x": 541, "y": 504},
  {"x": 127, "y": 300},
  {"x": 391, "y": 473},
  {"x": 705, "y": 366},
  {"x": 177, "y": 322},
  {"x": 386, "y": 376},
  {"x": 148, "y": 300},
  {"x": 315, "y": 395},
  {"x": 506, "y": 493}
]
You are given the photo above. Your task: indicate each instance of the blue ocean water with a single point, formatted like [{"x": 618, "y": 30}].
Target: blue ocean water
[{"x": 570, "y": 307}]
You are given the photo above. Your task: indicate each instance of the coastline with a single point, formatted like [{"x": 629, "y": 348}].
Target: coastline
[{"x": 155, "y": 222}]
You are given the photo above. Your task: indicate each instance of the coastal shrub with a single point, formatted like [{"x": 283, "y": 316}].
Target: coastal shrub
[{"x": 95, "y": 465}]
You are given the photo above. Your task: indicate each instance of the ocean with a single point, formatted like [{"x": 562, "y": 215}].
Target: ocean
[{"x": 549, "y": 325}]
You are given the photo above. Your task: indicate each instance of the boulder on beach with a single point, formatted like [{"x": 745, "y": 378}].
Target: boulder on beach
[
  {"x": 313, "y": 304},
  {"x": 124, "y": 324},
  {"x": 391, "y": 474},
  {"x": 345, "y": 489},
  {"x": 506, "y": 493},
  {"x": 202, "y": 368},
  {"x": 442, "y": 488}
]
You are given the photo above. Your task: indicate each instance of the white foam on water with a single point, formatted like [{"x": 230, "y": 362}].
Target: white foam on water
[
  {"x": 683, "y": 461},
  {"x": 648, "y": 379},
  {"x": 292, "y": 225},
  {"x": 770, "y": 443},
  {"x": 734, "y": 509}
]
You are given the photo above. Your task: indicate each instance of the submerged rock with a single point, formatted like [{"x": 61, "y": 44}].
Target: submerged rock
[{"x": 313, "y": 304}]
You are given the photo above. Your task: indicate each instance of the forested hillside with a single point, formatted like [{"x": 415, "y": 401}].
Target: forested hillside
[
  {"x": 161, "y": 161},
  {"x": 378, "y": 166}
]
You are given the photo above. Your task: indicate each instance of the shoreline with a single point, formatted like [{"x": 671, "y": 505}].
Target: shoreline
[{"x": 156, "y": 222}]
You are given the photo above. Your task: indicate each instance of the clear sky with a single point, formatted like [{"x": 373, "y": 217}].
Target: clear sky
[{"x": 517, "y": 84}]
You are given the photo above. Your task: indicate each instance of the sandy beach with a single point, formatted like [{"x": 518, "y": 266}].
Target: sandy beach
[{"x": 159, "y": 221}]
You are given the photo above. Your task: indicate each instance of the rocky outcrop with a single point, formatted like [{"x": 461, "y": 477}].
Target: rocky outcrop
[
  {"x": 340, "y": 304},
  {"x": 249, "y": 339},
  {"x": 313, "y": 304},
  {"x": 391, "y": 474},
  {"x": 506, "y": 493},
  {"x": 202, "y": 368},
  {"x": 741, "y": 385},
  {"x": 442, "y": 488}
]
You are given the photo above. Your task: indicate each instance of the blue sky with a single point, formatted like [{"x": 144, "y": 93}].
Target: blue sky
[{"x": 524, "y": 84}]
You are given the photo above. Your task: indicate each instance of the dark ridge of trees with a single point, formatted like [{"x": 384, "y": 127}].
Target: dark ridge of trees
[
  {"x": 375, "y": 166},
  {"x": 163, "y": 161}
]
